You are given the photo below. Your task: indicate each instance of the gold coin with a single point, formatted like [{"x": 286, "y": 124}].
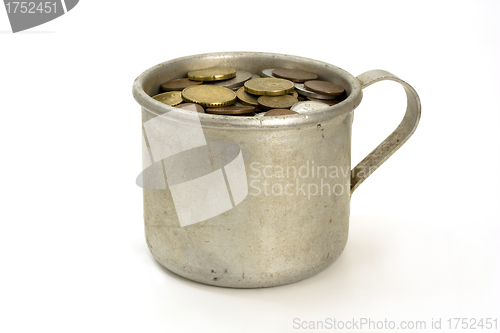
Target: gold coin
[
  {"x": 294, "y": 94},
  {"x": 209, "y": 96},
  {"x": 246, "y": 98},
  {"x": 171, "y": 98},
  {"x": 277, "y": 102},
  {"x": 269, "y": 86},
  {"x": 212, "y": 74}
]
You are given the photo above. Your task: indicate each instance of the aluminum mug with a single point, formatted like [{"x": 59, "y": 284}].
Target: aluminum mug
[{"x": 276, "y": 210}]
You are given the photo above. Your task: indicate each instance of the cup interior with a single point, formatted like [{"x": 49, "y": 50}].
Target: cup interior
[{"x": 149, "y": 84}]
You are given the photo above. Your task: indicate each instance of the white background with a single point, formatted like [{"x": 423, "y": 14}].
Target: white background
[{"x": 424, "y": 230}]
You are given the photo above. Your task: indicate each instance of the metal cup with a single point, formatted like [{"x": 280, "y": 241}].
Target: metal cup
[{"x": 250, "y": 202}]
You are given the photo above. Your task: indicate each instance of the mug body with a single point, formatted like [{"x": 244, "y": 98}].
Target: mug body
[{"x": 292, "y": 219}]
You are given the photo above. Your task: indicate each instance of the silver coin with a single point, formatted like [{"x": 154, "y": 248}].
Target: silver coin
[
  {"x": 299, "y": 87},
  {"x": 268, "y": 72},
  {"x": 259, "y": 115},
  {"x": 308, "y": 106},
  {"x": 236, "y": 82}
]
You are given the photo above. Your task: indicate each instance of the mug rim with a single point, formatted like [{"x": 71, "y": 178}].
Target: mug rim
[{"x": 242, "y": 122}]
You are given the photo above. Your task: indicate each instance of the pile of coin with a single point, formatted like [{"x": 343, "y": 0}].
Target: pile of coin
[{"x": 226, "y": 91}]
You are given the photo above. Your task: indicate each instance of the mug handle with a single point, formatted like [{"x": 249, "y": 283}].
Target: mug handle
[{"x": 392, "y": 143}]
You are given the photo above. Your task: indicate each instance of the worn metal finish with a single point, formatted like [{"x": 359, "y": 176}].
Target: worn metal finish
[
  {"x": 394, "y": 141},
  {"x": 265, "y": 240}
]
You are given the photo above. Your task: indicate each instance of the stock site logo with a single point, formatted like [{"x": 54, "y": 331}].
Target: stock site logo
[
  {"x": 205, "y": 179},
  {"x": 28, "y": 14}
]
